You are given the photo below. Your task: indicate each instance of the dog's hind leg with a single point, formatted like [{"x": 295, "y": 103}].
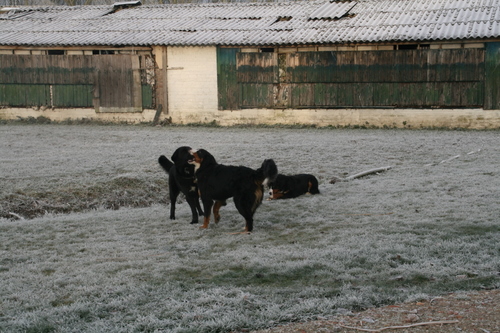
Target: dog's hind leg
[
  {"x": 246, "y": 206},
  {"x": 173, "y": 191}
]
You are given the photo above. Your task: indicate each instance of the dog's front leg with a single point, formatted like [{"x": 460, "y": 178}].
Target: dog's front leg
[
  {"x": 218, "y": 204},
  {"x": 192, "y": 199},
  {"x": 207, "y": 207}
]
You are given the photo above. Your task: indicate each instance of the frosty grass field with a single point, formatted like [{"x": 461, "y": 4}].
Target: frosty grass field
[{"x": 428, "y": 226}]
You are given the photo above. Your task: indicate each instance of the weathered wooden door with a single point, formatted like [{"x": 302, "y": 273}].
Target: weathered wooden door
[
  {"x": 109, "y": 83},
  {"x": 257, "y": 75}
]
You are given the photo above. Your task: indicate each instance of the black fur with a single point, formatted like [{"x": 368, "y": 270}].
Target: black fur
[
  {"x": 181, "y": 179},
  {"x": 219, "y": 182},
  {"x": 285, "y": 187}
]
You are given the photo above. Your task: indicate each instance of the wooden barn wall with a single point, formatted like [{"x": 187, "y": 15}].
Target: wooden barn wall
[
  {"x": 403, "y": 78},
  {"x": 227, "y": 84},
  {"x": 100, "y": 81},
  {"x": 492, "y": 80},
  {"x": 258, "y": 75}
]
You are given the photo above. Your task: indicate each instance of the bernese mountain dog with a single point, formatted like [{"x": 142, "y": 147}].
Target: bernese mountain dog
[
  {"x": 285, "y": 187},
  {"x": 218, "y": 182},
  {"x": 181, "y": 179}
]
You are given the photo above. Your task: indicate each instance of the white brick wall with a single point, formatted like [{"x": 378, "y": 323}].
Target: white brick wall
[{"x": 192, "y": 83}]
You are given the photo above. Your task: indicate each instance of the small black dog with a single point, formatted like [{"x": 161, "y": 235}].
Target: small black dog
[
  {"x": 181, "y": 179},
  {"x": 285, "y": 187}
]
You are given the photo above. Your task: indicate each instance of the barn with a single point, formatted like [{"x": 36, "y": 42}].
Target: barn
[{"x": 367, "y": 63}]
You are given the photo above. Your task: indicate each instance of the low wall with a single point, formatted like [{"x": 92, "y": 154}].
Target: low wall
[
  {"x": 393, "y": 118},
  {"x": 77, "y": 114}
]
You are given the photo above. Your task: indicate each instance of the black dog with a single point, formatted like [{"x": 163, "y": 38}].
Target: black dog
[
  {"x": 219, "y": 182},
  {"x": 181, "y": 179},
  {"x": 285, "y": 187}
]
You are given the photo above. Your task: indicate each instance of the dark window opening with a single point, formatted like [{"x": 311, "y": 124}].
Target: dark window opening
[
  {"x": 425, "y": 46},
  {"x": 56, "y": 52},
  {"x": 103, "y": 52},
  {"x": 267, "y": 49},
  {"x": 408, "y": 47}
]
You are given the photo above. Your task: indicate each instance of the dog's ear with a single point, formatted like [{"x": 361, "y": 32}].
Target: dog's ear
[
  {"x": 206, "y": 156},
  {"x": 175, "y": 155}
]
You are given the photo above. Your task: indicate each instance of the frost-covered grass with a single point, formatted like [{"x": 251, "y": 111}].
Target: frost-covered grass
[{"x": 418, "y": 230}]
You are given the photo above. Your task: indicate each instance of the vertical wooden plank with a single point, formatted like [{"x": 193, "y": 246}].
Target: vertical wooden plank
[
  {"x": 302, "y": 95},
  {"x": 492, "y": 78},
  {"x": 345, "y": 94},
  {"x": 256, "y": 95},
  {"x": 386, "y": 94},
  {"x": 433, "y": 94},
  {"x": 227, "y": 84},
  {"x": 363, "y": 94},
  {"x": 257, "y": 74},
  {"x": 325, "y": 94},
  {"x": 257, "y": 67},
  {"x": 136, "y": 86},
  {"x": 147, "y": 96},
  {"x": 72, "y": 95}
]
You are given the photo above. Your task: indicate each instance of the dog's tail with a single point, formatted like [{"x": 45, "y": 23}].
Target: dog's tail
[
  {"x": 165, "y": 163},
  {"x": 269, "y": 171}
]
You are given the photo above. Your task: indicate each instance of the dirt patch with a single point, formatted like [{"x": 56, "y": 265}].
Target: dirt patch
[
  {"x": 116, "y": 193},
  {"x": 457, "y": 312}
]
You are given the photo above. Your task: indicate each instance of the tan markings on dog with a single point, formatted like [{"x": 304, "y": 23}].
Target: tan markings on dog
[
  {"x": 197, "y": 160},
  {"x": 276, "y": 194},
  {"x": 259, "y": 194},
  {"x": 206, "y": 222},
  {"x": 217, "y": 205},
  {"x": 309, "y": 187}
]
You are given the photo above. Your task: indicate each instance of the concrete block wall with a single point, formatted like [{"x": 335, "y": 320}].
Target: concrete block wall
[{"x": 192, "y": 84}]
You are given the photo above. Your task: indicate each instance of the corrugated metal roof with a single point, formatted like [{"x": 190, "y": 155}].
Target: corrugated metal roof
[
  {"x": 332, "y": 10},
  {"x": 297, "y": 22}
]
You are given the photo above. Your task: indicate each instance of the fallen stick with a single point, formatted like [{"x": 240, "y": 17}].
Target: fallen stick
[
  {"x": 452, "y": 158},
  {"x": 359, "y": 175},
  {"x": 19, "y": 217},
  {"x": 131, "y": 258},
  {"x": 368, "y": 172},
  {"x": 474, "y": 151},
  {"x": 449, "y": 159},
  {"x": 366, "y": 214},
  {"x": 404, "y": 326}
]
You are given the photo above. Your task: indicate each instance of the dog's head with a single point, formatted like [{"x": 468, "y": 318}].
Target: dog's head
[
  {"x": 181, "y": 158},
  {"x": 200, "y": 158},
  {"x": 275, "y": 194},
  {"x": 278, "y": 188}
]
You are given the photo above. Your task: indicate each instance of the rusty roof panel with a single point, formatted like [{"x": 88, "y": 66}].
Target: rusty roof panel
[
  {"x": 332, "y": 10},
  {"x": 289, "y": 23}
]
